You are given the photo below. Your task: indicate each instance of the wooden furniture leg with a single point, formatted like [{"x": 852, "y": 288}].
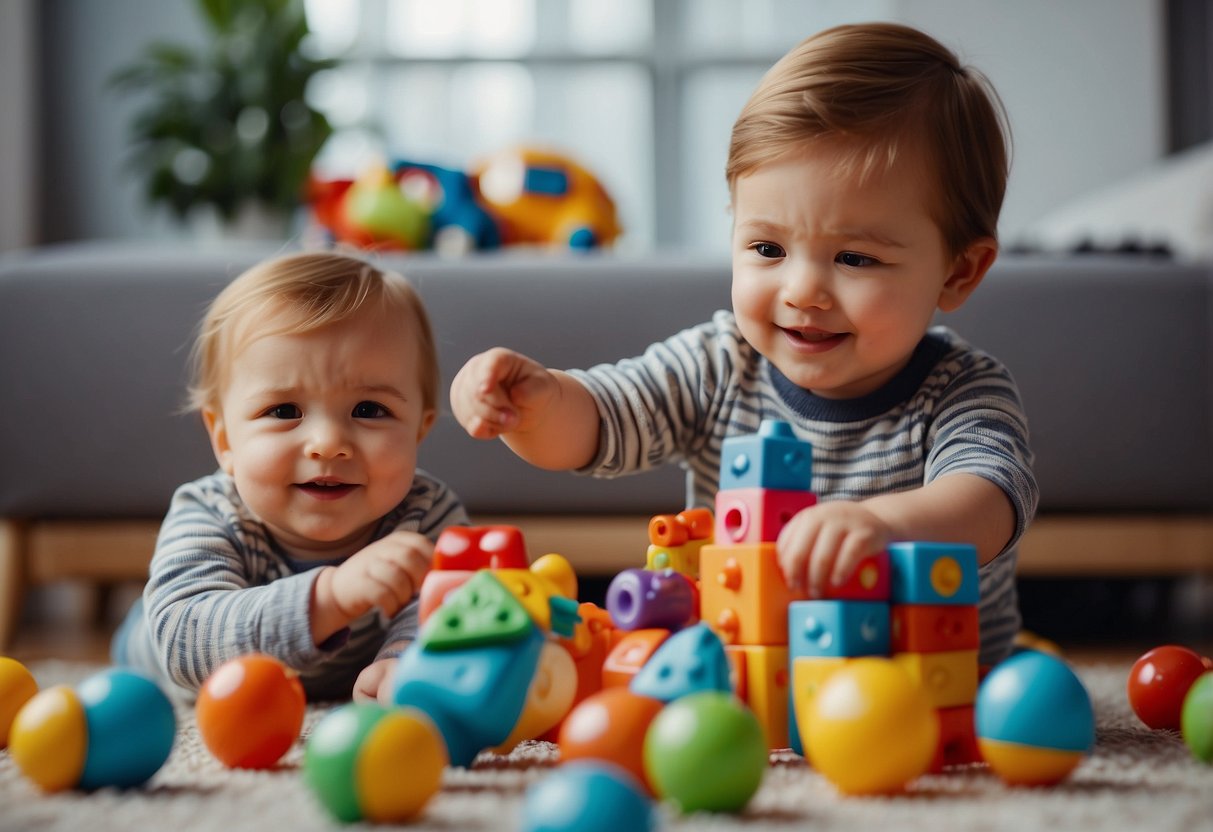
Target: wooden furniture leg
[{"x": 13, "y": 551}]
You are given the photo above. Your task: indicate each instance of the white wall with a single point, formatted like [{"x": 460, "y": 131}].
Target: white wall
[{"x": 17, "y": 180}]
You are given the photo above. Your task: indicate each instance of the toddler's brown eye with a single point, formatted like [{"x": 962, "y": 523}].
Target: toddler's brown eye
[
  {"x": 369, "y": 410},
  {"x": 768, "y": 250},
  {"x": 286, "y": 411}
]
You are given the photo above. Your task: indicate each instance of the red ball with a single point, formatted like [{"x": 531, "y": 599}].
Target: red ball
[
  {"x": 250, "y": 711},
  {"x": 1159, "y": 681}
]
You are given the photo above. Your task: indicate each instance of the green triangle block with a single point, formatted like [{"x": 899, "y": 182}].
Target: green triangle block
[{"x": 480, "y": 612}]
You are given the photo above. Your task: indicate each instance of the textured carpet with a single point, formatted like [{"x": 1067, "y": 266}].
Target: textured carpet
[{"x": 1137, "y": 779}]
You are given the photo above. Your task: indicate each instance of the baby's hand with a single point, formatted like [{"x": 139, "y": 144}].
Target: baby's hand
[
  {"x": 386, "y": 574},
  {"x": 501, "y": 391},
  {"x": 826, "y": 542},
  {"x": 374, "y": 683}
]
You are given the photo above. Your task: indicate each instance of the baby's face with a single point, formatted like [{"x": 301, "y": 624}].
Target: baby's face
[
  {"x": 320, "y": 430},
  {"x": 835, "y": 278}
]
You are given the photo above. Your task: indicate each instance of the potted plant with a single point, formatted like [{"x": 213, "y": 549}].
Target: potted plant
[{"x": 226, "y": 128}]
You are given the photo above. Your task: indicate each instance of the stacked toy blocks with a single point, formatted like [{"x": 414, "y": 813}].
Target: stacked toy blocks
[
  {"x": 935, "y": 636},
  {"x": 765, "y": 479}
]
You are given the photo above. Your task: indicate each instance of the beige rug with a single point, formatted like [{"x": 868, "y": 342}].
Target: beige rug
[{"x": 1137, "y": 780}]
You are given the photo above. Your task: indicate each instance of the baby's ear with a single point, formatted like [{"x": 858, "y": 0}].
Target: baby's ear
[
  {"x": 427, "y": 422},
  {"x": 968, "y": 269},
  {"x": 217, "y": 430}
]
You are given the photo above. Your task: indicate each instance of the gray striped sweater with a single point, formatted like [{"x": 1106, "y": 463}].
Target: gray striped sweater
[
  {"x": 951, "y": 409},
  {"x": 220, "y": 587}
]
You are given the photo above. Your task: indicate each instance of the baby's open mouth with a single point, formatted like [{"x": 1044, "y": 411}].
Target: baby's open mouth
[
  {"x": 814, "y": 339},
  {"x": 326, "y": 489}
]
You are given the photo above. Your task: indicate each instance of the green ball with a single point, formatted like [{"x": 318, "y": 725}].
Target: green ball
[
  {"x": 706, "y": 752},
  {"x": 1196, "y": 721},
  {"x": 331, "y": 755}
]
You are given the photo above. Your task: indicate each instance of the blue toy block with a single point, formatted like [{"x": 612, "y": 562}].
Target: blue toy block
[
  {"x": 772, "y": 458},
  {"x": 474, "y": 695},
  {"x": 838, "y": 628},
  {"x": 933, "y": 573},
  {"x": 687, "y": 662}
]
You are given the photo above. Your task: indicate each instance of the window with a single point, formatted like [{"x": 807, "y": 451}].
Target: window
[{"x": 641, "y": 92}]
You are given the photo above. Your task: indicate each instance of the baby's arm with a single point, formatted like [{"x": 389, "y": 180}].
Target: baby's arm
[
  {"x": 386, "y": 574},
  {"x": 822, "y": 545},
  {"x": 545, "y": 416}
]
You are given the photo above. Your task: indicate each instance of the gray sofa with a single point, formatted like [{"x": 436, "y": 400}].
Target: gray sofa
[{"x": 1112, "y": 354}]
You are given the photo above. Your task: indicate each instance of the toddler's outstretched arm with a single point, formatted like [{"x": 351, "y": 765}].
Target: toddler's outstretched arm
[{"x": 545, "y": 416}]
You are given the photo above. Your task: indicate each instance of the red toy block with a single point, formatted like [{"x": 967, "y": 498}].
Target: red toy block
[
  {"x": 743, "y": 594},
  {"x": 435, "y": 588},
  {"x": 480, "y": 547},
  {"x": 957, "y": 739},
  {"x": 677, "y": 529},
  {"x": 757, "y": 515},
  {"x": 871, "y": 581},
  {"x": 630, "y": 654},
  {"x": 934, "y": 628}
]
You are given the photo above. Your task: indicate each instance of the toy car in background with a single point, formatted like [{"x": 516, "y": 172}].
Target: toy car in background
[{"x": 521, "y": 196}]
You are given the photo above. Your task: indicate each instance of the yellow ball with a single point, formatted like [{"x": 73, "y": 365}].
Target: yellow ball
[
  {"x": 49, "y": 739},
  {"x": 17, "y": 686},
  {"x": 871, "y": 728}
]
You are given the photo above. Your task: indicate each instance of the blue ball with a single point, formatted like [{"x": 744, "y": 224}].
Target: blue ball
[
  {"x": 586, "y": 796},
  {"x": 131, "y": 726},
  {"x": 1035, "y": 699}
]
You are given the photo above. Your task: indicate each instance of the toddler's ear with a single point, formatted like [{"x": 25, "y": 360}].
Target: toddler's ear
[
  {"x": 217, "y": 431},
  {"x": 427, "y": 422},
  {"x": 968, "y": 269}
]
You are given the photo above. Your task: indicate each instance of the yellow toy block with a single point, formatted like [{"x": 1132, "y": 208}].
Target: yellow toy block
[
  {"x": 766, "y": 688},
  {"x": 743, "y": 595},
  {"x": 684, "y": 558},
  {"x": 550, "y": 577},
  {"x": 950, "y": 679}
]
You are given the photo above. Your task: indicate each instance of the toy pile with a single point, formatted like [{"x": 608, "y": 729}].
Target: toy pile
[
  {"x": 519, "y": 196},
  {"x": 700, "y": 664}
]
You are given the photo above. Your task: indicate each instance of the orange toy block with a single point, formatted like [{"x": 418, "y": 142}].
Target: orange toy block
[
  {"x": 630, "y": 654},
  {"x": 933, "y": 628},
  {"x": 957, "y": 739},
  {"x": 757, "y": 515},
  {"x": 950, "y": 679},
  {"x": 436, "y": 586},
  {"x": 765, "y": 670},
  {"x": 589, "y": 645},
  {"x": 744, "y": 597},
  {"x": 677, "y": 529},
  {"x": 809, "y": 673}
]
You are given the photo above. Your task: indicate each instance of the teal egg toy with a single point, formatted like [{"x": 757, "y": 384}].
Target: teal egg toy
[
  {"x": 1034, "y": 719},
  {"x": 586, "y": 796},
  {"x": 116, "y": 728}
]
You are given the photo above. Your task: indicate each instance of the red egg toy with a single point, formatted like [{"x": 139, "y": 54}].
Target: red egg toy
[
  {"x": 250, "y": 711},
  {"x": 1158, "y": 683}
]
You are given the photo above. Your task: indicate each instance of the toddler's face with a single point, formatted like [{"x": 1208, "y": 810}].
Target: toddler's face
[
  {"x": 835, "y": 277},
  {"x": 320, "y": 430}
]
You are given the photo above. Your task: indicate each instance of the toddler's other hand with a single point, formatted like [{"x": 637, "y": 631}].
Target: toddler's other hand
[
  {"x": 374, "y": 683},
  {"x": 826, "y": 542},
  {"x": 386, "y": 574},
  {"x": 500, "y": 391}
]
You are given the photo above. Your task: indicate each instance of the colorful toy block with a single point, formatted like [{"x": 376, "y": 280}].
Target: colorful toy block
[
  {"x": 688, "y": 661},
  {"x": 757, "y": 515},
  {"x": 482, "y": 611},
  {"x": 640, "y": 599},
  {"x": 771, "y": 458},
  {"x": 438, "y": 584},
  {"x": 949, "y": 679},
  {"x": 629, "y": 654},
  {"x": 838, "y": 628},
  {"x": 744, "y": 596},
  {"x": 933, "y": 573},
  {"x": 870, "y": 581},
  {"x": 474, "y": 695},
  {"x": 766, "y": 688},
  {"x": 934, "y": 628},
  {"x": 480, "y": 547},
  {"x": 957, "y": 738},
  {"x": 683, "y": 527},
  {"x": 548, "y": 699},
  {"x": 543, "y": 600}
]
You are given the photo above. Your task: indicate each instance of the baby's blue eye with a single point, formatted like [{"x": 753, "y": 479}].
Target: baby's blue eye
[
  {"x": 768, "y": 250},
  {"x": 369, "y": 410},
  {"x": 855, "y": 260},
  {"x": 285, "y": 411}
]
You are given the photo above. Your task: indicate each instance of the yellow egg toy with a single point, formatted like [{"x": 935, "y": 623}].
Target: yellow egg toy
[
  {"x": 870, "y": 729},
  {"x": 17, "y": 686}
]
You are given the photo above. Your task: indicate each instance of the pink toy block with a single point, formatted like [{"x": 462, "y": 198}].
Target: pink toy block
[{"x": 757, "y": 515}]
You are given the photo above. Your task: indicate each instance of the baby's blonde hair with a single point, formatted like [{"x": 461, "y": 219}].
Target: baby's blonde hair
[
  {"x": 877, "y": 88},
  {"x": 300, "y": 293}
]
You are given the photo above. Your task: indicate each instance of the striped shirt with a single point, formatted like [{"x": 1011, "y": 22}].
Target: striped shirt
[
  {"x": 952, "y": 409},
  {"x": 221, "y": 587}
]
